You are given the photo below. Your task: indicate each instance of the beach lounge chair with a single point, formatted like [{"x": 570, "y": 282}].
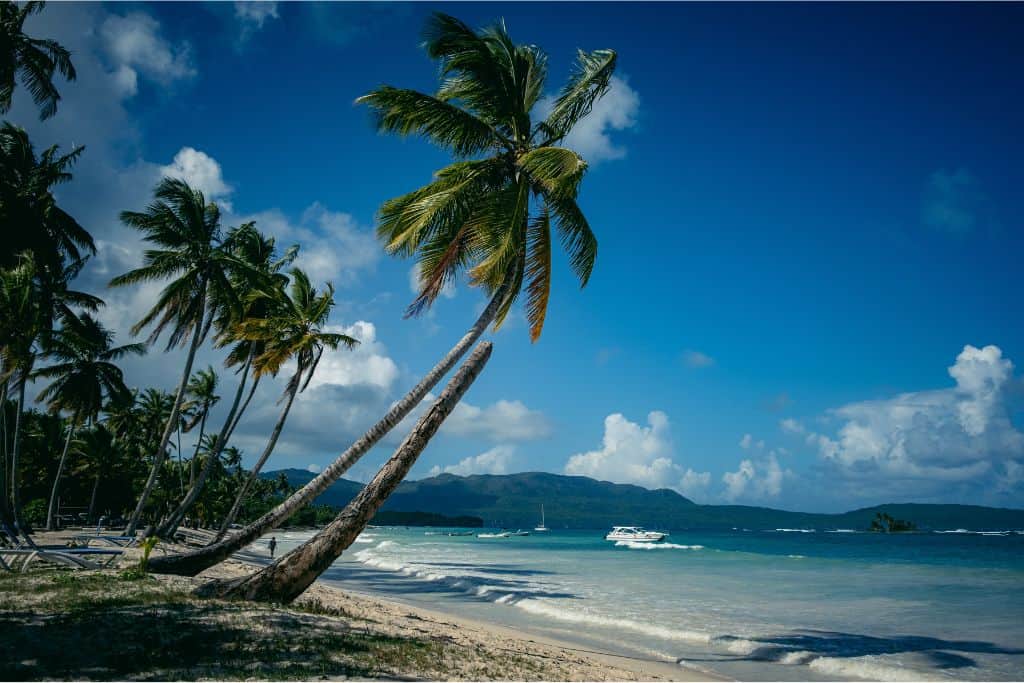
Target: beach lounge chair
[{"x": 118, "y": 541}]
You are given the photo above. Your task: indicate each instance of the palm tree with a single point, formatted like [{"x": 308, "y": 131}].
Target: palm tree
[
  {"x": 476, "y": 215},
  {"x": 33, "y": 60},
  {"x": 29, "y": 215},
  {"x": 84, "y": 379},
  {"x": 261, "y": 278},
  {"x": 96, "y": 450},
  {"x": 295, "y": 330},
  {"x": 286, "y": 579},
  {"x": 202, "y": 389},
  {"x": 186, "y": 230}
]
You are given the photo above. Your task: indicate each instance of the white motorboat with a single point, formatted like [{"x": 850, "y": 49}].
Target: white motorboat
[
  {"x": 500, "y": 534},
  {"x": 634, "y": 533},
  {"x": 519, "y": 532},
  {"x": 541, "y": 527}
]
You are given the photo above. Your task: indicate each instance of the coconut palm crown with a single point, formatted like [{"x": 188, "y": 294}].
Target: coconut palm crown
[
  {"x": 33, "y": 60},
  {"x": 491, "y": 213}
]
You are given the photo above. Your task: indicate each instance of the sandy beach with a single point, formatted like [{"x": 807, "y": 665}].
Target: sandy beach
[{"x": 464, "y": 649}]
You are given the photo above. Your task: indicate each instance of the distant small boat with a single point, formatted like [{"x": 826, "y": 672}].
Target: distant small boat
[
  {"x": 541, "y": 527},
  {"x": 634, "y": 533},
  {"x": 500, "y": 534},
  {"x": 519, "y": 532},
  {"x": 460, "y": 533}
]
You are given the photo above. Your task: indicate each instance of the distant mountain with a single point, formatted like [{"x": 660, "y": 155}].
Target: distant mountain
[{"x": 514, "y": 500}]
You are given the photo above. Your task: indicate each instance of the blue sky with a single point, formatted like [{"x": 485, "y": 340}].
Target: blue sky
[{"x": 808, "y": 215}]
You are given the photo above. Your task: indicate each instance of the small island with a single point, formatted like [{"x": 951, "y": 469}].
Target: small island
[{"x": 884, "y": 524}]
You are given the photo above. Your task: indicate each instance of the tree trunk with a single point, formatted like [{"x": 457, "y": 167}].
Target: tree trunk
[
  {"x": 92, "y": 500},
  {"x": 286, "y": 579},
  {"x": 190, "y": 564},
  {"x": 15, "y": 507},
  {"x": 171, "y": 525},
  {"x": 195, "y": 453},
  {"x": 240, "y": 498},
  {"x": 241, "y": 411},
  {"x": 161, "y": 451},
  {"x": 51, "y": 513}
]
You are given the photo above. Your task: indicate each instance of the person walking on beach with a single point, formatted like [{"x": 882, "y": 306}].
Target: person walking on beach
[{"x": 273, "y": 546}]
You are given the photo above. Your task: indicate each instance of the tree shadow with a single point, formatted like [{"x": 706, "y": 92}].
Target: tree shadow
[{"x": 183, "y": 641}]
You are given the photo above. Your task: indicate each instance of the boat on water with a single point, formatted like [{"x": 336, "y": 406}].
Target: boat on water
[
  {"x": 460, "y": 533},
  {"x": 519, "y": 532},
  {"x": 541, "y": 527},
  {"x": 500, "y": 534},
  {"x": 634, "y": 533}
]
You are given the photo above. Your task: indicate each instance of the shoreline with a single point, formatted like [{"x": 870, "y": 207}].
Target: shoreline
[
  {"x": 441, "y": 623},
  {"x": 474, "y": 649}
]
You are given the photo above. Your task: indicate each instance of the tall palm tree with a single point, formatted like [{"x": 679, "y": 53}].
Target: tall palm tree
[
  {"x": 294, "y": 330},
  {"x": 96, "y": 451},
  {"x": 257, "y": 273},
  {"x": 29, "y": 215},
  {"x": 476, "y": 215},
  {"x": 285, "y": 579},
  {"x": 84, "y": 378},
  {"x": 33, "y": 60},
  {"x": 185, "y": 229},
  {"x": 201, "y": 388}
]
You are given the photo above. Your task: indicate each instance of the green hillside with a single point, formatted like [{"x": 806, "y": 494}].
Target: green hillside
[{"x": 514, "y": 500}]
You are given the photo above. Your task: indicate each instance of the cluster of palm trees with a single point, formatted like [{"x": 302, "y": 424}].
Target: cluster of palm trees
[{"x": 489, "y": 215}]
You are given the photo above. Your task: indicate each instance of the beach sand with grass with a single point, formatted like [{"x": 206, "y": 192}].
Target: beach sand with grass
[{"x": 98, "y": 625}]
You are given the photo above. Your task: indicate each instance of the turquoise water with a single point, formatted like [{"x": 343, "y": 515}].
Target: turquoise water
[{"x": 770, "y": 605}]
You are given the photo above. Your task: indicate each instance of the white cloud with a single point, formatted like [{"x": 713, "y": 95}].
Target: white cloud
[
  {"x": 947, "y": 442},
  {"x": 497, "y": 460},
  {"x": 631, "y": 453},
  {"x": 697, "y": 359},
  {"x": 791, "y": 426},
  {"x": 201, "y": 172},
  {"x": 334, "y": 246},
  {"x": 367, "y": 364},
  {"x": 694, "y": 485},
  {"x": 252, "y": 15},
  {"x": 314, "y": 468},
  {"x": 760, "y": 480},
  {"x": 133, "y": 42},
  {"x": 503, "y": 420},
  {"x": 591, "y": 138},
  {"x": 953, "y": 201},
  {"x": 448, "y": 291}
]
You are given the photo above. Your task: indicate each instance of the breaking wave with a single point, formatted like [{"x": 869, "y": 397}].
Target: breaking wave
[{"x": 640, "y": 545}]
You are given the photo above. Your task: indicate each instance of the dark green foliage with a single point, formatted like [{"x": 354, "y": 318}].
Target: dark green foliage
[{"x": 883, "y": 523}]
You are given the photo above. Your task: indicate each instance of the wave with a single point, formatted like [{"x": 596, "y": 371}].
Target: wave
[
  {"x": 640, "y": 545},
  {"x": 799, "y": 531},
  {"x": 842, "y": 531},
  {"x": 1008, "y": 532},
  {"x": 531, "y": 599}
]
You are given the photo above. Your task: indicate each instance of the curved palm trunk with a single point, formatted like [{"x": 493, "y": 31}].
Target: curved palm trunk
[
  {"x": 51, "y": 512},
  {"x": 190, "y": 564},
  {"x": 161, "y": 451},
  {"x": 287, "y": 578},
  {"x": 90, "y": 515},
  {"x": 171, "y": 525},
  {"x": 244, "y": 491},
  {"x": 241, "y": 411}
]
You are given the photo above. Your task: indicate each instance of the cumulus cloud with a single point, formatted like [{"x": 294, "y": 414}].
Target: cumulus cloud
[
  {"x": 334, "y": 246},
  {"x": 202, "y": 172},
  {"x": 953, "y": 201},
  {"x": 497, "y": 460},
  {"x": 367, "y": 364},
  {"x": 697, "y": 359},
  {"x": 503, "y": 420},
  {"x": 134, "y": 44},
  {"x": 631, "y": 453},
  {"x": 754, "y": 480},
  {"x": 314, "y": 468},
  {"x": 921, "y": 444}
]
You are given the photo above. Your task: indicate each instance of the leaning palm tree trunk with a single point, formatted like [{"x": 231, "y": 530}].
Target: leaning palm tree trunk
[
  {"x": 161, "y": 451},
  {"x": 287, "y": 578},
  {"x": 15, "y": 507},
  {"x": 168, "y": 528},
  {"x": 51, "y": 512},
  {"x": 190, "y": 564},
  {"x": 244, "y": 491}
]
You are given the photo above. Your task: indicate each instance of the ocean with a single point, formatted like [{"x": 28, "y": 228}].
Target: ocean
[{"x": 747, "y": 604}]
